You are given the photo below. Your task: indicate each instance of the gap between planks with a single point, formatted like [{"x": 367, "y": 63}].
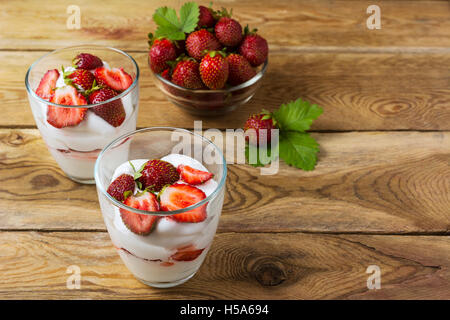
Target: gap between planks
[
  {"x": 294, "y": 49},
  {"x": 336, "y": 233},
  {"x": 28, "y": 127}
]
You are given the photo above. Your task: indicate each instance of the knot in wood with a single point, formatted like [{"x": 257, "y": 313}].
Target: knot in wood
[{"x": 269, "y": 273}]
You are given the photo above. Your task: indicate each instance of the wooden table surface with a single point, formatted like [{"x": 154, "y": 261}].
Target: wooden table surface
[{"x": 380, "y": 194}]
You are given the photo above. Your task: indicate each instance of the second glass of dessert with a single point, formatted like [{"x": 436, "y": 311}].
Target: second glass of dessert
[
  {"x": 82, "y": 97},
  {"x": 161, "y": 205}
]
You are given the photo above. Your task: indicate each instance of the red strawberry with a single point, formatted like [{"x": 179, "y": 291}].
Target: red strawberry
[
  {"x": 61, "y": 117},
  {"x": 141, "y": 224},
  {"x": 188, "y": 253},
  {"x": 87, "y": 61},
  {"x": 180, "y": 47},
  {"x": 255, "y": 49},
  {"x": 186, "y": 74},
  {"x": 82, "y": 78},
  {"x": 200, "y": 41},
  {"x": 258, "y": 122},
  {"x": 240, "y": 69},
  {"x": 116, "y": 78},
  {"x": 166, "y": 74},
  {"x": 161, "y": 51},
  {"x": 205, "y": 19},
  {"x": 180, "y": 196},
  {"x": 193, "y": 176},
  {"x": 214, "y": 70},
  {"x": 47, "y": 84},
  {"x": 228, "y": 31},
  {"x": 156, "y": 174},
  {"x": 112, "y": 112},
  {"x": 120, "y": 185}
]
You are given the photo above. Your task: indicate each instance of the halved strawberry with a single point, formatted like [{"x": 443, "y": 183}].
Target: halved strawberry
[
  {"x": 61, "y": 117},
  {"x": 47, "y": 84},
  {"x": 180, "y": 196},
  {"x": 141, "y": 224},
  {"x": 115, "y": 78},
  {"x": 193, "y": 176},
  {"x": 188, "y": 253}
]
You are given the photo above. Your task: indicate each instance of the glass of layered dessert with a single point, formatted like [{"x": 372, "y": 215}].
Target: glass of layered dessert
[
  {"x": 82, "y": 97},
  {"x": 161, "y": 205}
]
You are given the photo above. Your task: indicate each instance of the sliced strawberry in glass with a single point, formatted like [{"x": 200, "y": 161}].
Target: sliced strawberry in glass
[
  {"x": 141, "y": 224},
  {"x": 180, "y": 196},
  {"x": 61, "y": 117},
  {"x": 115, "y": 78}
]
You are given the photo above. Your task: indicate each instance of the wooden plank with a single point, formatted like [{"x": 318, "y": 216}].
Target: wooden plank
[
  {"x": 357, "y": 91},
  {"x": 322, "y": 23},
  {"x": 238, "y": 266},
  {"x": 389, "y": 182}
]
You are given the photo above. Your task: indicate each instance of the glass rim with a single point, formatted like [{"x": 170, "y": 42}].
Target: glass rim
[
  {"x": 119, "y": 204},
  {"x": 246, "y": 84},
  {"x": 120, "y": 95}
]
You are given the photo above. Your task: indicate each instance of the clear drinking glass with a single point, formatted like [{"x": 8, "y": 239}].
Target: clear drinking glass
[
  {"x": 150, "y": 257},
  {"x": 76, "y": 148}
]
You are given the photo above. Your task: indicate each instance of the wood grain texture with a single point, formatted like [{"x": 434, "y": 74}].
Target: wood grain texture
[
  {"x": 390, "y": 182},
  {"x": 358, "y": 91},
  {"x": 312, "y": 24},
  {"x": 238, "y": 266}
]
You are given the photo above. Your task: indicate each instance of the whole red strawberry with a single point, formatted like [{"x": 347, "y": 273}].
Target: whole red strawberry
[
  {"x": 257, "y": 122},
  {"x": 205, "y": 19},
  {"x": 161, "y": 51},
  {"x": 214, "y": 70},
  {"x": 200, "y": 41},
  {"x": 228, "y": 31},
  {"x": 87, "y": 61},
  {"x": 81, "y": 78},
  {"x": 112, "y": 112},
  {"x": 240, "y": 69},
  {"x": 255, "y": 49},
  {"x": 156, "y": 174},
  {"x": 123, "y": 183},
  {"x": 180, "y": 47},
  {"x": 186, "y": 74}
]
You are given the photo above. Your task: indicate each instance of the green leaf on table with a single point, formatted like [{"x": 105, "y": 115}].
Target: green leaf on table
[
  {"x": 258, "y": 162},
  {"x": 298, "y": 149},
  {"x": 296, "y": 115},
  {"x": 172, "y": 27}
]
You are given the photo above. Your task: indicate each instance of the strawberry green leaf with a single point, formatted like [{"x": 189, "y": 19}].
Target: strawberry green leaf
[
  {"x": 297, "y": 115},
  {"x": 298, "y": 149},
  {"x": 132, "y": 166},
  {"x": 172, "y": 27},
  {"x": 127, "y": 193},
  {"x": 189, "y": 15}
]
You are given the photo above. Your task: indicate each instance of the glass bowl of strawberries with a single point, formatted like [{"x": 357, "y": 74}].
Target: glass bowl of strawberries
[
  {"x": 81, "y": 98},
  {"x": 205, "y": 62}
]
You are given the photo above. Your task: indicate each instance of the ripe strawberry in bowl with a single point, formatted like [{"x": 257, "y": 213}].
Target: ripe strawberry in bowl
[
  {"x": 81, "y": 98},
  {"x": 210, "y": 37}
]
